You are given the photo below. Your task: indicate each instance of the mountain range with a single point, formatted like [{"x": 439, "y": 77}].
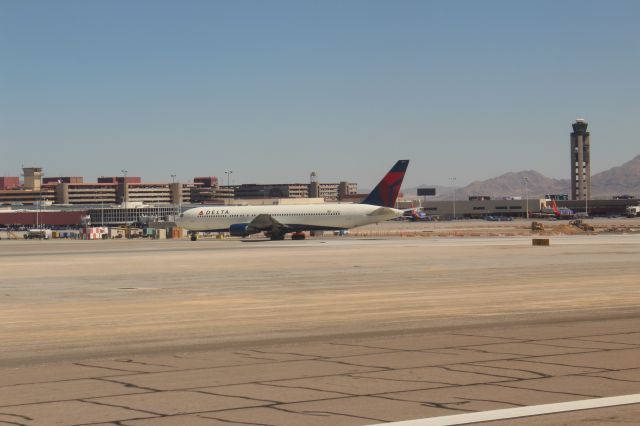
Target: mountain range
[{"x": 624, "y": 179}]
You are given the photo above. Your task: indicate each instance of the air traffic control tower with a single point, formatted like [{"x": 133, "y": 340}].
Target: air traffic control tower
[{"x": 580, "y": 161}]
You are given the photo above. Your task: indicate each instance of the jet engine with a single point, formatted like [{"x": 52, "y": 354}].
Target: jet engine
[{"x": 240, "y": 230}]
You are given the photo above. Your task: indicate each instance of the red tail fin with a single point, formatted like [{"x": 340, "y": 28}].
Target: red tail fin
[{"x": 386, "y": 192}]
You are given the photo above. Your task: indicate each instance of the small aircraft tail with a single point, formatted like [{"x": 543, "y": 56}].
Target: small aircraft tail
[{"x": 386, "y": 193}]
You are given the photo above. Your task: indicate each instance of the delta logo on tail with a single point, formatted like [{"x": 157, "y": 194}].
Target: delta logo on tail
[{"x": 386, "y": 192}]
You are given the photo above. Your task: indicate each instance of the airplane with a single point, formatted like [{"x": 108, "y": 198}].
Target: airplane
[
  {"x": 415, "y": 214},
  {"x": 278, "y": 220},
  {"x": 561, "y": 213},
  {"x": 555, "y": 212}
]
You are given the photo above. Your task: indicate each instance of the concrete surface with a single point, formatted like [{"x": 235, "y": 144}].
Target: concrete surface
[{"x": 315, "y": 332}]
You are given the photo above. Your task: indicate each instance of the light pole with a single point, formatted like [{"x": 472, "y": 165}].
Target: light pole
[
  {"x": 38, "y": 204},
  {"x": 42, "y": 211},
  {"x": 228, "y": 173},
  {"x": 526, "y": 194},
  {"x": 453, "y": 183},
  {"x": 125, "y": 195},
  {"x": 173, "y": 181},
  {"x": 586, "y": 201}
]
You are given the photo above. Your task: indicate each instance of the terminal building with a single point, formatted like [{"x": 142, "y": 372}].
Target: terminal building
[
  {"x": 481, "y": 208},
  {"x": 9, "y": 182},
  {"x": 314, "y": 189},
  {"x": 63, "y": 193},
  {"x": 118, "y": 200},
  {"x": 72, "y": 190},
  {"x": 477, "y": 207}
]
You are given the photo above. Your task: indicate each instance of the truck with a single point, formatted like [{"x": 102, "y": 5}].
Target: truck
[
  {"x": 633, "y": 211},
  {"x": 578, "y": 223},
  {"x": 38, "y": 234}
]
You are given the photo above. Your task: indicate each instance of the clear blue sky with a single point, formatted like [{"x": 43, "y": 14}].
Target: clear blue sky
[{"x": 276, "y": 89}]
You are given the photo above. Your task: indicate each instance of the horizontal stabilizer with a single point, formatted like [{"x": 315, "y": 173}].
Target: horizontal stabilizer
[{"x": 382, "y": 211}]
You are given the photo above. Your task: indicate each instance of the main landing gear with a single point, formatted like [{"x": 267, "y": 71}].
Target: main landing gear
[
  {"x": 276, "y": 236},
  {"x": 194, "y": 236}
]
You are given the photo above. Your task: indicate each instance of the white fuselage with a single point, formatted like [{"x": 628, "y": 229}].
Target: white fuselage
[{"x": 297, "y": 217}]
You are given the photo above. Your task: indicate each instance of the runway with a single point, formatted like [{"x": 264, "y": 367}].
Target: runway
[{"x": 266, "y": 332}]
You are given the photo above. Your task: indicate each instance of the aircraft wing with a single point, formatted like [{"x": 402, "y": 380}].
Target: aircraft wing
[{"x": 266, "y": 222}]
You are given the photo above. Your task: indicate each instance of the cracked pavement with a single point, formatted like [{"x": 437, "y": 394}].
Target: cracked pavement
[
  {"x": 355, "y": 381},
  {"x": 342, "y": 348}
]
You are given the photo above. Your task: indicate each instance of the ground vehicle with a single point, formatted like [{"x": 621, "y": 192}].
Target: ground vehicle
[
  {"x": 578, "y": 223},
  {"x": 38, "y": 234},
  {"x": 499, "y": 218},
  {"x": 633, "y": 211},
  {"x": 415, "y": 215},
  {"x": 537, "y": 226}
]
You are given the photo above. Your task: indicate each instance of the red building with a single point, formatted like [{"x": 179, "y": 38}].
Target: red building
[
  {"x": 46, "y": 218},
  {"x": 63, "y": 179},
  {"x": 9, "y": 182},
  {"x": 207, "y": 181},
  {"x": 119, "y": 179}
]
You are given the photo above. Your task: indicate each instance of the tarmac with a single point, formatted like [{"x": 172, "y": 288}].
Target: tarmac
[{"x": 331, "y": 331}]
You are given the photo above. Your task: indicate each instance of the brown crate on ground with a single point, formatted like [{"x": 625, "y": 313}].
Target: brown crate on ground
[{"x": 540, "y": 241}]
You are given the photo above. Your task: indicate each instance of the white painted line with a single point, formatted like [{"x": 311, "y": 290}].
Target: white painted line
[{"x": 512, "y": 413}]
